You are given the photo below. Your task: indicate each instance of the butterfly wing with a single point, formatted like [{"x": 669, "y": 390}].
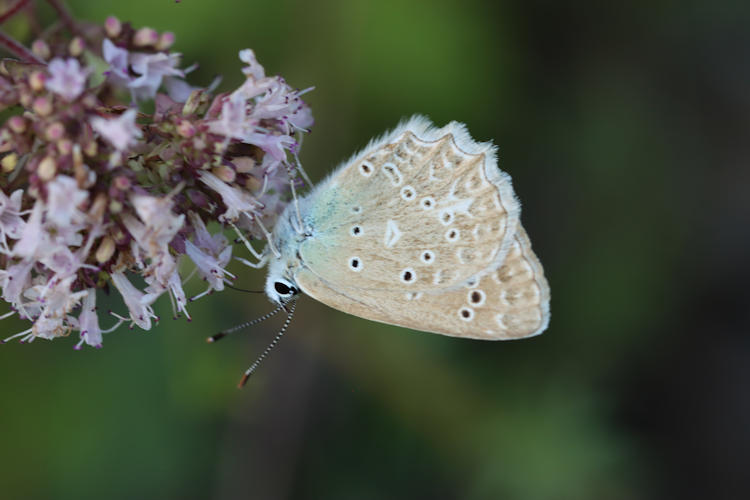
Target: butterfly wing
[
  {"x": 509, "y": 302},
  {"x": 421, "y": 208}
]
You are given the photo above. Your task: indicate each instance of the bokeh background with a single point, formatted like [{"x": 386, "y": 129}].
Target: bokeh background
[{"x": 625, "y": 127}]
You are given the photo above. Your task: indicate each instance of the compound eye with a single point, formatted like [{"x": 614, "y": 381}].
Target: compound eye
[{"x": 281, "y": 288}]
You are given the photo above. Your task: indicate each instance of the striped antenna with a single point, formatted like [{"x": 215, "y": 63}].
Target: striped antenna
[
  {"x": 218, "y": 336},
  {"x": 257, "y": 362}
]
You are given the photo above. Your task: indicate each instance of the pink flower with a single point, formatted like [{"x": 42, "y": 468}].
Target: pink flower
[
  {"x": 63, "y": 200},
  {"x": 117, "y": 58},
  {"x": 152, "y": 69},
  {"x": 232, "y": 122},
  {"x": 32, "y": 235},
  {"x": 88, "y": 321},
  {"x": 179, "y": 90},
  {"x": 237, "y": 201},
  {"x": 274, "y": 145},
  {"x": 50, "y": 303},
  {"x": 121, "y": 132},
  {"x": 157, "y": 227},
  {"x": 211, "y": 254},
  {"x": 177, "y": 294},
  {"x": 138, "y": 304},
  {"x": 210, "y": 267},
  {"x": 253, "y": 68},
  {"x": 11, "y": 222},
  {"x": 15, "y": 280},
  {"x": 67, "y": 78},
  {"x": 57, "y": 297}
]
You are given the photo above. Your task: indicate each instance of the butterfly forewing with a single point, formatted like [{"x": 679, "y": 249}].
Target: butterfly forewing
[
  {"x": 511, "y": 301},
  {"x": 421, "y": 210}
]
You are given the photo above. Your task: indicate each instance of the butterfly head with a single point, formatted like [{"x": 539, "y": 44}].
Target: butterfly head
[{"x": 280, "y": 290}]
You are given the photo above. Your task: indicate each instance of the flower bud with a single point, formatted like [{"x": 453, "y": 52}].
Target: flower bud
[
  {"x": 98, "y": 207},
  {"x": 65, "y": 147},
  {"x": 91, "y": 149},
  {"x": 252, "y": 184},
  {"x": 145, "y": 37},
  {"x": 121, "y": 182},
  {"x": 36, "y": 81},
  {"x": 76, "y": 46},
  {"x": 9, "y": 162},
  {"x": 112, "y": 27},
  {"x": 77, "y": 156},
  {"x": 244, "y": 164},
  {"x": 47, "y": 169},
  {"x": 17, "y": 124},
  {"x": 6, "y": 141},
  {"x": 199, "y": 144},
  {"x": 115, "y": 207},
  {"x": 89, "y": 101},
  {"x": 106, "y": 250},
  {"x": 165, "y": 41},
  {"x": 40, "y": 49},
  {"x": 225, "y": 173},
  {"x": 25, "y": 98},
  {"x": 55, "y": 132},
  {"x": 186, "y": 129},
  {"x": 42, "y": 106}
]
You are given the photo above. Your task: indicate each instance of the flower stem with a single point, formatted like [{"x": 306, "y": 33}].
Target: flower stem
[
  {"x": 64, "y": 14},
  {"x": 18, "y": 49},
  {"x": 20, "y": 4}
]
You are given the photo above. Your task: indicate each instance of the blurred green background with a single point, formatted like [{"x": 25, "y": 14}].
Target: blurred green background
[{"x": 625, "y": 128}]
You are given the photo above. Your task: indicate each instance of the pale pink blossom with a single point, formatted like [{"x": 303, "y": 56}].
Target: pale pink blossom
[
  {"x": 152, "y": 68},
  {"x": 57, "y": 298},
  {"x": 253, "y": 67},
  {"x": 211, "y": 243},
  {"x": 210, "y": 253},
  {"x": 49, "y": 304},
  {"x": 274, "y": 145},
  {"x": 283, "y": 103},
  {"x": 121, "y": 132},
  {"x": 63, "y": 199},
  {"x": 154, "y": 231},
  {"x": 233, "y": 122},
  {"x": 158, "y": 224},
  {"x": 32, "y": 235},
  {"x": 61, "y": 260},
  {"x": 11, "y": 222},
  {"x": 138, "y": 304},
  {"x": 178, "y": 89},
  {"x": 177, "y": 294},
  {"x": 46, "y": 327},
  {"x": 237, "y": 201},
  {"x": 15, "y": 280},
  {"x": 210, "y": 267},
  {"x": 117, "y": 58},
  {"x": 88, "y": 321},
  {"x": 67, "y": 78},
  {"x": 252, "y": 88},
  {"x": 301, "y": 116}
]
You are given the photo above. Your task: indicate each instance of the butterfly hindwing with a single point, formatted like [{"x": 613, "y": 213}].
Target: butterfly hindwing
[
  {"x": 510, "y": 301},
  {"x": 421, "y": 209}
]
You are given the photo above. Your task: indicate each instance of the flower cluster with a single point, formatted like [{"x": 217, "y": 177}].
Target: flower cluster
[{"x": 96, "y": 191}]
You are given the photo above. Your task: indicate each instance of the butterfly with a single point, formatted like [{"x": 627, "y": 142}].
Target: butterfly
[{"x": 420, "y": 229}]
